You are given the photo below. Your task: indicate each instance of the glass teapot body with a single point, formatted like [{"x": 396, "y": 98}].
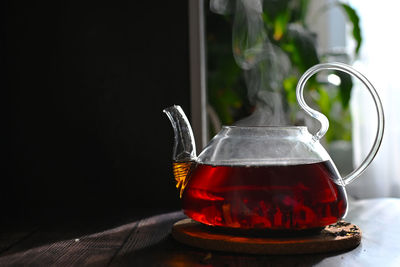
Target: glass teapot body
[{"x": 277, "y": 178}]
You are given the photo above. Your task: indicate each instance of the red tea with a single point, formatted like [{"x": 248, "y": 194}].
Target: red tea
[{"x": 292, "y": 197}]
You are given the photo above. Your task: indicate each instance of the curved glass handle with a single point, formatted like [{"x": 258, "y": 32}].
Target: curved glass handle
[{"x": 324, "y": 121}]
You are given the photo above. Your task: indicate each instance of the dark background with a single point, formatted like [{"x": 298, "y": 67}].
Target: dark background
[{"x": 83, "y": 86}]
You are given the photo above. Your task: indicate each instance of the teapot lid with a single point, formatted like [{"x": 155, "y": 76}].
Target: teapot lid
[{"x": 263, "y": 145}]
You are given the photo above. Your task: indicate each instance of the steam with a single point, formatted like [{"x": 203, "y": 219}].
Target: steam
[{"x": 265, "y": 65}]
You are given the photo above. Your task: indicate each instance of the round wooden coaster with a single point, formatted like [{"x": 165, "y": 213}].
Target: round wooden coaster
[{"x": 335, "y": 237}]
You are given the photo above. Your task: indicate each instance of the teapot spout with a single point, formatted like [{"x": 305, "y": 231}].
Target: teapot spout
[
  {"x": 184, "y": 145},
  {"x": 184, "y": 149}
]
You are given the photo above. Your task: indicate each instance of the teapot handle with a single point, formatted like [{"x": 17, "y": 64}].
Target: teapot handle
[{"x": 324, "y": 121}]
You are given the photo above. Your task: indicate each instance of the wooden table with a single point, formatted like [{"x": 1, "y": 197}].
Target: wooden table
[{"x": 147, "y": 242}]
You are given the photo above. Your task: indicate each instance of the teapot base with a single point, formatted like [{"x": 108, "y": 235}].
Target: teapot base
[
  {"x": 263, "y": 232},
  {"x": 341, "y": 236}
]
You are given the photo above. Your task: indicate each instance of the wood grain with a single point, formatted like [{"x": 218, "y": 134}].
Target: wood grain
[{"x": 148, "y": 242}]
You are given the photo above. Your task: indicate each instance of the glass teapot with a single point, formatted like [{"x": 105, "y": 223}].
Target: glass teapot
[{"x": 272, "y": 178}]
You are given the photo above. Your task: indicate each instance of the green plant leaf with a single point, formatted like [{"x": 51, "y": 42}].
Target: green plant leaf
[
  {"x": 272, "y": 8},
  {"x": 301, "y": 47},
  {"x": 299, "y": 10},
  {"x": 355, "y": 20},
  {"x": 280, "y": 25},
  {"x": 346, "y": 84},
  {"x": 324, "y": 101},
  {"x": 289, "y": 84}
]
